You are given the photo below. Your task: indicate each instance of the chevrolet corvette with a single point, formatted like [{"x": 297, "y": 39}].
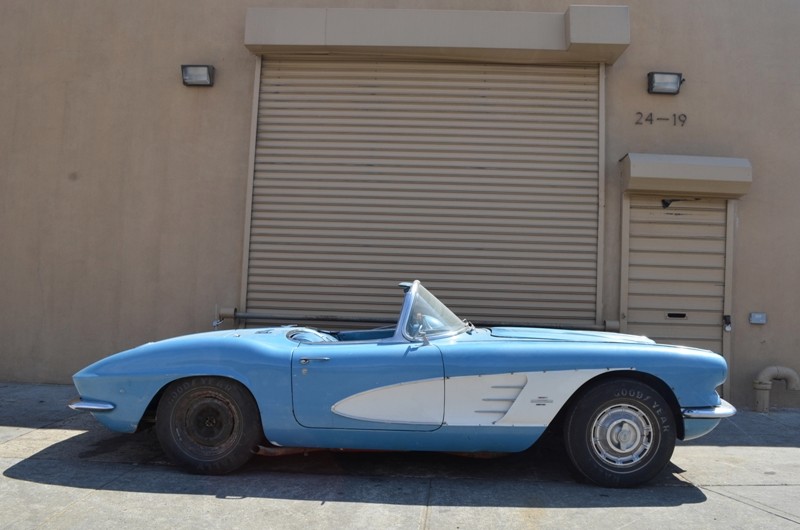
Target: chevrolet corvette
[{"x": 432, "y": 382}]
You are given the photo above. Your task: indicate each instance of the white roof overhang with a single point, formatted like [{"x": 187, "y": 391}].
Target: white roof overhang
[
  {"x": 700, "y": 176},
  {"x": 583, "y": 33}
]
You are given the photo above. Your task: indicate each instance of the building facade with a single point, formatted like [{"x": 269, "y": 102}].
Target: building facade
[{"x": 508, "y": 154}]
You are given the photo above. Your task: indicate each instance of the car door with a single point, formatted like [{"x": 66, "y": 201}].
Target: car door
[{"x": 382, "y": 385}]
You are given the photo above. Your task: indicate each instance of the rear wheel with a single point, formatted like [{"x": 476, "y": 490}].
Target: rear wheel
[
  {"x": 620, "y": 433},
  {"x": 209, "y": 425}
]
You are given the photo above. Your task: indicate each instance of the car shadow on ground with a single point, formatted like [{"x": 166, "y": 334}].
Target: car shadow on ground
[
  {"x": 43, "y": 442},
  {"x": 89, "y": 456}
]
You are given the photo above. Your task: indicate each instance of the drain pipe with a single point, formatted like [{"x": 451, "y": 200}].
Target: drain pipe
[{"x": 763, "y": 384}]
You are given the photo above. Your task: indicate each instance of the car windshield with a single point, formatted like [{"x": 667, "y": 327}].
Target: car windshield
[{"x": 429, "y": 316}]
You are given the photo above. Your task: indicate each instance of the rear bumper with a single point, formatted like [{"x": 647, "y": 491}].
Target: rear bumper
[
  {"x": 723, "y": 410},
  {"x": 91, "y": 406}
]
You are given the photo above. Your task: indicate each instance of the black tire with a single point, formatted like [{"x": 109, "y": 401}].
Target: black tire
[
  {"x": 620, "y": 433},
  {"x": 208, "y": 425}
]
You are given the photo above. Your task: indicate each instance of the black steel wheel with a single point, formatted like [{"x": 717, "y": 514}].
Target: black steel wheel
[
  {"x": 620, "y": 433},
  {"x": 208, "y": 425}
]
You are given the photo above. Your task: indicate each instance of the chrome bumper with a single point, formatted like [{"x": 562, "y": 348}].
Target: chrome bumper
[
  {"x": 91, "y": 406},
  {"x": 723, "y": 410}
]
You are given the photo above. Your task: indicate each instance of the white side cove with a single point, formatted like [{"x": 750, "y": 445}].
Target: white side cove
[
  {"x": 416, "y": 402},
  {"x": 512, "y": 399}
]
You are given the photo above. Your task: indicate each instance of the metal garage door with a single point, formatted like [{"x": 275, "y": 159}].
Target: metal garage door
[
  {"x": 676, "y": 270},
  {"x": 479, "y": 180}
]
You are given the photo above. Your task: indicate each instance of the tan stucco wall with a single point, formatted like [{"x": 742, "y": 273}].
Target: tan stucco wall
[
  {"x": 740, "y": 101},
  {"x": 122, "y": 196},
  {"x": 122, "y": 191}
]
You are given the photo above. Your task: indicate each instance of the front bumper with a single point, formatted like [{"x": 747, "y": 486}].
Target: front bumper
[
  {"x": 723, "y": 410},
  {"x": 699, "y": 421}
]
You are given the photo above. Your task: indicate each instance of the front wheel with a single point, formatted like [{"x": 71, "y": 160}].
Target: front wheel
[
  {"x": 209, "y": 425},
  {"x": 620, "y": 433}
]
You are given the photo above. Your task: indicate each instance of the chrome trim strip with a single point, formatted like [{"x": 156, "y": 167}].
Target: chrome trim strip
[
  {"x": 91, "y": 406},
  {"x": 723, "y": 410}
]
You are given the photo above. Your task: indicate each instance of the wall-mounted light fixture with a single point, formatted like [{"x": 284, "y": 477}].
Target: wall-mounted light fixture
[
  {"x": 664, "y": 83},
  {"x": 197, "y": 74}
]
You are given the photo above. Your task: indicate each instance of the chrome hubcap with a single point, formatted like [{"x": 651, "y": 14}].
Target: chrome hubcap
[{"x": 622, "y": 435}]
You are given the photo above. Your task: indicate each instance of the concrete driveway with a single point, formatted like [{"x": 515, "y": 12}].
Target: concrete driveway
[{"x": 61, "y": 469}]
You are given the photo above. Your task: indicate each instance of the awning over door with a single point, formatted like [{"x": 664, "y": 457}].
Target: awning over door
[
  {"x": 701, "y": 176},
  {"x": 583, "y": 33}
]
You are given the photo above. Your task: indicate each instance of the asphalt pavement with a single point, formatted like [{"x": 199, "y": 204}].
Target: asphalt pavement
[{"x": 62, "y": 469}]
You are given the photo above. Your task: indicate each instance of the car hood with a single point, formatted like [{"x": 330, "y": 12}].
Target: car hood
[{"x": 565, "y": 335}]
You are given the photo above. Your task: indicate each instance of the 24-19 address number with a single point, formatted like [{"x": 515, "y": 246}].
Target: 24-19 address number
[{"x": 676, "y": 120}]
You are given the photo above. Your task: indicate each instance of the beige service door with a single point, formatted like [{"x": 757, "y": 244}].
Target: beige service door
[{"x": 674, "y": 270}]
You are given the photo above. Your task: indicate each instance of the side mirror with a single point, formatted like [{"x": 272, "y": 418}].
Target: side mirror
[{"x": 424, "y": 337}]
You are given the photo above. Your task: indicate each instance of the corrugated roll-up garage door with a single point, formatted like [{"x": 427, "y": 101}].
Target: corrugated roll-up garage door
[
  {"x": 676, "y": 270},
  {"x": 479, "y": 180}
]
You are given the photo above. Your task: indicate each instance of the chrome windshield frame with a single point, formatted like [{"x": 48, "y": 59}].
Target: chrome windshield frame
[{"x": 412, "y": 291}]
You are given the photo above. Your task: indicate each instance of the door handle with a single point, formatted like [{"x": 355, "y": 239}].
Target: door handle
[
  {"x": 727, "y": 325},
  {"x": 306, "y": 360}
]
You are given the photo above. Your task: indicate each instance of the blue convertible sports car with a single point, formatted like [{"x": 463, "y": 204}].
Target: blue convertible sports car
[{"x": 433, "y": 382}]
